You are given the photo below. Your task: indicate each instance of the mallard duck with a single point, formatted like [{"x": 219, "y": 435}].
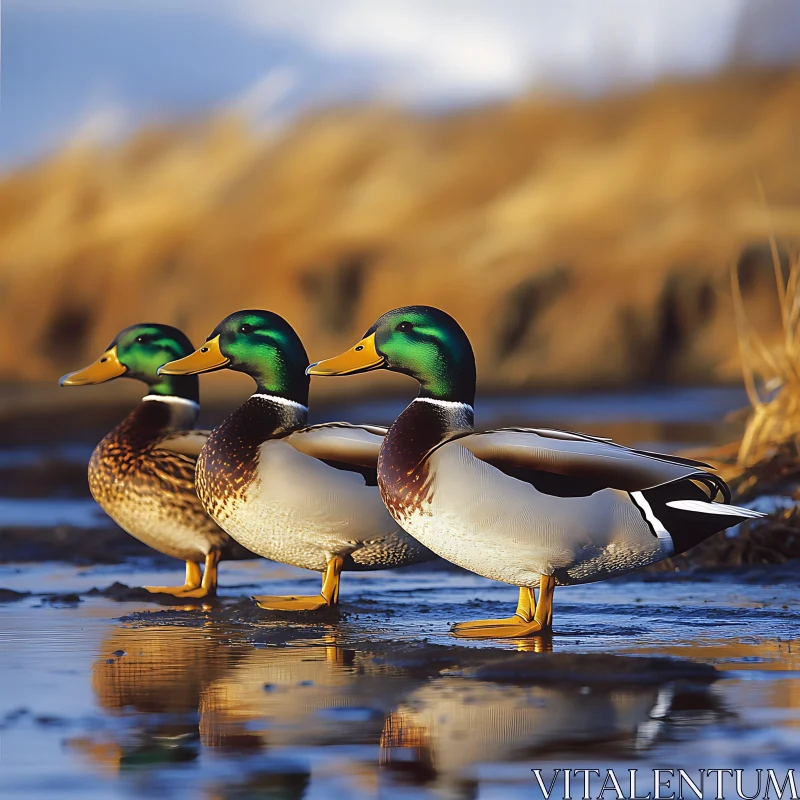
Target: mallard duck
[
  {"x": 521, "y": 505},
  {"x": 298, "y": 494},
  {"x": 142, "y": 473}
]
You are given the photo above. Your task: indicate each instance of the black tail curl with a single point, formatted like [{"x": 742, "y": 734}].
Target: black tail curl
[
  {"x": 715, "y": 485},
  {"x": 688, "y": 528}
]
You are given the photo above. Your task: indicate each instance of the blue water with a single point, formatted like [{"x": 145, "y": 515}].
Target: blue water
[
  {"x": 697, "y": 406},
  {"x": 50, "y": 512}
]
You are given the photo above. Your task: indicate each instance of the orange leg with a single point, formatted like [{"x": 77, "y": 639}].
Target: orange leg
[
  {"x": 516, "y": 626},
  {"x": 328, "y": 596},
  {"x": 523, "y": 614},
  {"x": 208, "y": 587},
  {"x": 192, "y": 581}
]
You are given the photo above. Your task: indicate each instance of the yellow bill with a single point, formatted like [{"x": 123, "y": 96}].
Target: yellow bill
[
  {"x": 205, "y": 359},
  {"x": 361, "y": 358},
  {"x": 107, "y": 367}
]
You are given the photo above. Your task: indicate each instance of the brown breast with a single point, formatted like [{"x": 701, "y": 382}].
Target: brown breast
[
  {"x": 118, "y": 463},
  {"x": 403, "y": 471},
  {"x": 228, "y": 463}
]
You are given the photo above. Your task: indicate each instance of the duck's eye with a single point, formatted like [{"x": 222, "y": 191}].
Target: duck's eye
[
  {"x": 140, "y": 339},
  {"x": 245, "y": 328},
  {"x": 404, "y": 326}
]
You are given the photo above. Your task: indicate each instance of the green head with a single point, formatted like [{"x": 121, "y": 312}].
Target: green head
[
  {"x": 261, "y": 344},
  {"x": 420, "y": 341},
  {"x": 138, "y": 352}
]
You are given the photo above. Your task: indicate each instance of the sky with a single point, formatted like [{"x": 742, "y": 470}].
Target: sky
[{"x": 96, "y": 69}]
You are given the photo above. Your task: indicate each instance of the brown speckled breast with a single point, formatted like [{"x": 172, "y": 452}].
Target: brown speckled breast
[
  {"x": 120, "y": 454},
  {"x": 144, "y": 487},
  {"x": 229, "y": 461},
  {"x": 403, "y": 474}
]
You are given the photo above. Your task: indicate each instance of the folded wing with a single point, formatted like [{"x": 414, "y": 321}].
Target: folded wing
[
  {"x": 171, "y": 463},
  {"x": 348, "y": 447},
  {"x": 571, "y": 464},
  {"x": 186, "y": 443}
]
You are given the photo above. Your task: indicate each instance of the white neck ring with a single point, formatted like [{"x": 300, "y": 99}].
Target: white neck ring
[
  {"x": 280, "y": 400},
  {"x": 171, "y": 398},
  {"x": 443, "y": 403}
]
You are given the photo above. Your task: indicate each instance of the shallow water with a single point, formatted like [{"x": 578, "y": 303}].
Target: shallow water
[
  {"x": 102, "y": 698},
  {"x": 52, "y": 511},
  {"x": 106, "y": 700}
]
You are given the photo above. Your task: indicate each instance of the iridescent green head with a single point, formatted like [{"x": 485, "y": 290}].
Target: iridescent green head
[
  {"x": 420, "y": 341},
  {"x": 261, "y": 344},
  {"x": 138, "y": 352}
]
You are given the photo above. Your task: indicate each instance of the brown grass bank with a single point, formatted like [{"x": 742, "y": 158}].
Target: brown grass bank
[{"x": 579, "y": 243}]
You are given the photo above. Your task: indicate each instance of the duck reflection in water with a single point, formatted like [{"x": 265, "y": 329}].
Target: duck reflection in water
[
  {"x": 421, "y": 713},
  {"x": 450, "y": 726},
  {"x": 318, "y": 695},
  {"x": 154, "y": 674}
]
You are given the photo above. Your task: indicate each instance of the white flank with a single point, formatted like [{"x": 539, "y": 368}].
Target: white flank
[
  {"x": 171, "y": 398},
  {"x": 719, "y": 509},
  {"x": 655, "y": 522}
]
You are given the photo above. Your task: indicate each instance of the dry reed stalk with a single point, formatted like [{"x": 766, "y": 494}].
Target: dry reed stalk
[{"x": 771, "y": 374}]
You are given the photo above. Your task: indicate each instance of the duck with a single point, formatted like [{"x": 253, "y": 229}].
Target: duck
[
  {"x": 142, "y": 472},
  {"x": 532, "y": 507},
  {"x": 300, "y": 494}
]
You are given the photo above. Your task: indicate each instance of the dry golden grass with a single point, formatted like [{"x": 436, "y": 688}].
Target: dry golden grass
[
  {"x": 579, "y": 243},
  {"x": 771, "y": 374},
  {"x": 767, "y": 459},
  {"x": 766, "y": 462}
]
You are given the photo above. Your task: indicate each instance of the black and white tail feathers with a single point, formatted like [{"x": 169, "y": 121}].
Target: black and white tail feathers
[{"x": 689, "y": 514}]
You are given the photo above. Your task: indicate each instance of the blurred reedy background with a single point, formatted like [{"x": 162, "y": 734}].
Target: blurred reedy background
[{"x": 573, "y": 184}]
